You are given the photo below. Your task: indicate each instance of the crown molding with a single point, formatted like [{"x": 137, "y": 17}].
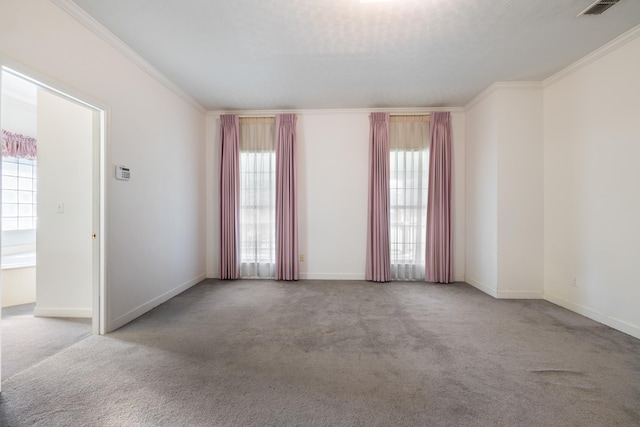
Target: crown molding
[
  {"x": 408, "y": 111},
  {"x": 602, "y": 51},
  {"x": 98, "y": 29},
  {"x": 504, "y": 86}
]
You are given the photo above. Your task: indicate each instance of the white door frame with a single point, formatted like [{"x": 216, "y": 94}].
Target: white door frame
[{"x": 100, "y": 121}]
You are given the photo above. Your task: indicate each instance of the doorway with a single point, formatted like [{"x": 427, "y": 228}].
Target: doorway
[{"x": 51, "y": 215}]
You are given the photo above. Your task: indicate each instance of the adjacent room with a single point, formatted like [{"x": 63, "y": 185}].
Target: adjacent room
[
  {"x": 347, "y": 212},
  {"x": 46, "y": 305}
]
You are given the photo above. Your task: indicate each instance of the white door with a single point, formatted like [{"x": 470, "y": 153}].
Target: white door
[{"x": 64, "y": 244}]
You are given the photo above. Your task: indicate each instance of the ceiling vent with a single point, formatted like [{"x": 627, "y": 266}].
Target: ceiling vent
[{"x": 599, "y": 7}]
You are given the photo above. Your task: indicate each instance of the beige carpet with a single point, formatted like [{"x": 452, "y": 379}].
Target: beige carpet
[
  {"x": 28, "y": 340},
  {"x": 319, "y": 353}
]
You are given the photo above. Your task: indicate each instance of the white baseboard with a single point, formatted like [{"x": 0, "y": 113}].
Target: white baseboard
[
  {"x": 520, "y": 295},
  {"x": 592, "y": 314},
  {"x": 143, "y": 308},
  {"x": 331, "y": 276},
  {"x": 62, "y": 312},
  {"x": 328, "y": 276},
  {"x": 499, "y": 294},
  {"x": 482, "y": 287}
]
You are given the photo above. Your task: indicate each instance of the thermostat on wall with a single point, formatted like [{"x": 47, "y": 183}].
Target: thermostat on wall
[{"x": 122, "y": 173}]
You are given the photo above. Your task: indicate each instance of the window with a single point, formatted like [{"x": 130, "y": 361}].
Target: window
[
  {"x": 19, "y": 184},
  {"x": 257, "y": 197},
  {"x": 409, "y": 162}
]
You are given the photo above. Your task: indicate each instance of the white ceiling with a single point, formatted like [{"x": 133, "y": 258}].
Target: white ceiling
[{"x": 293, "y": 54}]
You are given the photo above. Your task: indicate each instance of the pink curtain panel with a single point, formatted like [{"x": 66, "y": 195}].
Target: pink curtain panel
[
  {"x": 378, "y": 267},
  {"x": 287, "y": 267},
  {"x": 439, "y": 265},
  {"x": 229, "y": 197}
]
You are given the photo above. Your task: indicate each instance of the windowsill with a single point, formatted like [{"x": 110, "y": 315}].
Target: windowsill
[{"x": 21, "y": 260}]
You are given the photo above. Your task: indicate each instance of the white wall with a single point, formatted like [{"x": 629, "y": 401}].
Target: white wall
[
  {"x": 333, "y": 180},
  {"x": 505, "y": 191},
  {"x": 154, "y": 223},
  {"x": 18, "y": 106},
  {"x": 333, "y": 154},
  {"x": 64, "y": 245},
  {"x": 520, "y": 192},
  {"x": 482, "y": 194},
  {"x": 591, "y": 185},
  {"x": 18, "y": 286},
  {"x": 552, "y": 191}
]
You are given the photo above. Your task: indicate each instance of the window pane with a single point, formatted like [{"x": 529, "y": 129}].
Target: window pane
[
  {"x": 9, "y": 196},
  {"x": 18, "y": 192},
  {"x": 23, "y": 196},
  {"x": 9, "y": 224},
  {"x": 25, "y": 210},
  {"x": 25, "y": 183},
  {"x": 9, "y": 168},
  {"x": 408, "y": 185},
  {"x": 257, "y": 198},
  {"x": 9, "y": 183},
  {"x": 25, "y": 223},
  {"x": 25, "y": 171},
  {"x": 9, "y": 210}
]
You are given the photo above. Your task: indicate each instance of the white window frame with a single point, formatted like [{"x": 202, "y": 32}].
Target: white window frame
[
  {"x": 19, "y": 203},
  {"x": 257, "y": 198},
  {"x": 409, "y": 170}
]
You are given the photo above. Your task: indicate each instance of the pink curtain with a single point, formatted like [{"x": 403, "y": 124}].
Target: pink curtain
[
  {"x": 229, "y": 197},
  {"x": 16, "y": 145},
  {"x": 378, "y": 268},
  {"x": 439, "y": 265},
  {"x": 287, "y": 267}
]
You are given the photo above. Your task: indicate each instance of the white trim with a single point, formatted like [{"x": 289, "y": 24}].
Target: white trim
[
  {"x": 614, "y": 44},
  {"x": 260, "y": 113},
  {"x": 98, "y": 29},
  {"x": 332, "y": 276},
  {"x": 62, "y": 312},
  {"x": 42, "y": 80},
  {"x": 520, "y": 295},
  {"x": 503, "y": 85},
  {"x": 326, "y": 276},
  {"x": 481, "y": 286},
  {"x": 605, "y": 319},
  {"x": 105, "y": 216},
  {"x": 143, "y": 308}
]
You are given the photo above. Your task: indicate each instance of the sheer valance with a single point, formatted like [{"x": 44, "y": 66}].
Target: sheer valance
[
  {"x": 17, "y": 145},
  {"x": 409, "y": 118}
]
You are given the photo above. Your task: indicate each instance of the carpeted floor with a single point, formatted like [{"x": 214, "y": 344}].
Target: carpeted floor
[
  {"x": 321, "y": 353},
  {"x": 28, "y": 340}
]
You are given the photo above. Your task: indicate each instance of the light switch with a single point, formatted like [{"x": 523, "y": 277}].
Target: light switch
[{"x": 60, "y": 207}]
